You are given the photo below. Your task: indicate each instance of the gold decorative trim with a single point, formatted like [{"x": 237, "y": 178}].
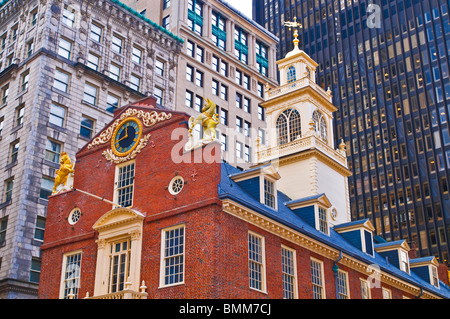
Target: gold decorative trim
[
  {"x": 110, "y": 156},
  {"x": 148, "y": 119},
  {"x": 317, "y": 247},
  {"x": 113, "y": 138}
]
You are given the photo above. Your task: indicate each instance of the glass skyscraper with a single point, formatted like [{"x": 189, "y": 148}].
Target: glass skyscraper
[{"x": 386, "y": 63}]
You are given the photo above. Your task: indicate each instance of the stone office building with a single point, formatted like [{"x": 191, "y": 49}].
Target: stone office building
[
  {"x": 65, "y": 66},
  {"x": 226, "y": 57}
]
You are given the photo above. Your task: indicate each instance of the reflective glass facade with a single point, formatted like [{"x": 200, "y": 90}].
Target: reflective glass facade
[{"x": 387, "y": 66}]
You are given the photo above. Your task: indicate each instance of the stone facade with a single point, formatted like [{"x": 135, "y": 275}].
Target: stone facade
[
  {"x": 199, "y": 55},
  {"x": 49, "y": 53}
]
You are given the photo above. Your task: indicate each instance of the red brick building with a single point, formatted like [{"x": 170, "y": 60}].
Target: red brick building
[{"x": 145, "y": 219}]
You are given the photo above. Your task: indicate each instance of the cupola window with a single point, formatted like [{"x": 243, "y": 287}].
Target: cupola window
[
  {"x": 320, "y": 126},
  {"x": 288, "y": 126},
  {"x": 291, "y": 75}
]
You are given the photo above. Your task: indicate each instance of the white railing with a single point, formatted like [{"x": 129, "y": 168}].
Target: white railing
[
  {"x": 127, "y": 293},
  {"x": 301, "y": 144},
  {"x": 296, "y": 85}
]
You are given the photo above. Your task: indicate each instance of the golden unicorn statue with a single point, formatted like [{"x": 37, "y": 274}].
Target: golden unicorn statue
[
  {"x": 209, "y": 120},
  {"x": 63, "y": 172}
]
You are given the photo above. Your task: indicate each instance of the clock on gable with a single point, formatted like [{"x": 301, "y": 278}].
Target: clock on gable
[{"x": 126, "y": 136}]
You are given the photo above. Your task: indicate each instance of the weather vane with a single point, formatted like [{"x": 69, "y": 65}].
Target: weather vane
[{"x": 292, "y": 24}]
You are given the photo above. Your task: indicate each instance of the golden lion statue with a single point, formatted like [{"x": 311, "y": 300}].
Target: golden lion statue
[
  {"x": 63, "y": 172},
  {"x": 209, "y": 119}
]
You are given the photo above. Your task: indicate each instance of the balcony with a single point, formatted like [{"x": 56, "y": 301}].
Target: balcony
[
  {"x": 127, "y": 293},
  {"x": 297, "y": 85},
  {"x": 312, "y": 141}
]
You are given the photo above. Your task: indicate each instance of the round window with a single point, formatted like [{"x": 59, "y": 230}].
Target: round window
[
  {"x": 176, "y": 185},
  {"x": 74, "y": 216}
]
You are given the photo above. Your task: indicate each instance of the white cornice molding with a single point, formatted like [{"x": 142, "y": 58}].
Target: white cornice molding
[{"x": 317, "y": 247}]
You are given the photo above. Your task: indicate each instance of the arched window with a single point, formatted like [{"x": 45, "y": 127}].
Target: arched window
[
  {"x": 320, "y": 126},
  {"x": 308, "y": 73},
  {"x": 288, "y": 126},
  {"x": 291, "y": 76}
]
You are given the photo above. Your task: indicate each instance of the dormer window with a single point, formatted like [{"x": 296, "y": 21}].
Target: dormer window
[
  {"x": 291, "y": 75},
  {"x": 320, "y": 126},
  {"x": 359, "y": 233},
  {"x": 313, "y": 210},
  {"x": 288, "y": 126},
  {"x": 396, "y": 253},
  {"x": 323, "y": 223},
  {"x": 404, "y": 261},
  {"x": 260, "y": 183},
  {"x": 434, "y": 277},
  {"x": 269, "y": 193},
  {"x": 426, "y": 268}
]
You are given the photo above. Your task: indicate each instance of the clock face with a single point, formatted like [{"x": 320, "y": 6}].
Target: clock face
[{"x": 126, "y": 136}]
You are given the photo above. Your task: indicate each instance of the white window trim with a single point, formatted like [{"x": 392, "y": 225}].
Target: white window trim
[
  {"x": 263, "y": 271},
  {"x": 316, "y": 210},
  {"x": 118, "y": 224},
  {"x": 400, "y": 263},
  {"x": 388, "y": 291},
  {"x": 63, "y": 271},
  {"x": 346, "y": 282},
  {"x": 294, "y": 257},
  {"x": 116, "y": 180},
  {"x": 261, "y": 190},
  {"x": 430, "y": 270},
  {"x": 322, "y": 275},
  {"x": 363, "y": 243},
  {"x": 361, "y": 281},
  {"x": 162, "y": 258}
]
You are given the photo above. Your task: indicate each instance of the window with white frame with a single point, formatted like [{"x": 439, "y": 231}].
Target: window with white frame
[
  {"x": 317, "y": 279},
  {"x": 71, "y": 272},
  {"x": 434, "y": 276},
  {"x": 387, "y": 293},
  {"x": 365, "y": 289},
  {"x": 125, "y": 184},
  {"x": 404, "y": 261},
  {"x": 343, "y": 292},
  {"x": 256, "y": 262},
  {"x": 119, "y": 264},
  {"x": 269, "y": 193},
  {"x": 172, "y": 256},
  {"x": 323, "y": 223},
  {"x": 288, "y": 266},
  {"x": 239, "y": 150},
  {"x": 320, "y": 125},
  {"x": 46, "y": 189}
]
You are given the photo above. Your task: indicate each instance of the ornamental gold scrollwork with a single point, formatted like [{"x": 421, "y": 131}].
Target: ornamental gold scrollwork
[
  {"x": 110, "y": 156},
  {"x": 148, "y": 119}
]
